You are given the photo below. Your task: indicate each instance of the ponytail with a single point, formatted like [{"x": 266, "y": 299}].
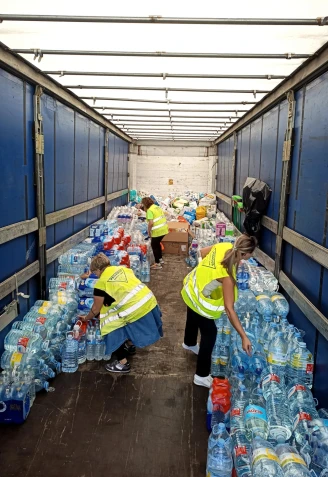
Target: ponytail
[{"x": 244, "y": 244}]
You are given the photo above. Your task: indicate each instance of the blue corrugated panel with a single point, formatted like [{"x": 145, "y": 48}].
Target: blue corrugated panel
[
  {"x": 111, "y": 156},
  {"x": 255, "y": 149},
  {"x": 81, "y": 168}
]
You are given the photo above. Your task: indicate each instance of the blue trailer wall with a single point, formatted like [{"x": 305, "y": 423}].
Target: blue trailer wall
[
  {"x": 259, "y": 154},
  {"x": 74, "y": 173}
]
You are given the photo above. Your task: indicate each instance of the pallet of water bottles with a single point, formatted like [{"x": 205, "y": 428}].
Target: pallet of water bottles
[{"x": 260, "y": 411}]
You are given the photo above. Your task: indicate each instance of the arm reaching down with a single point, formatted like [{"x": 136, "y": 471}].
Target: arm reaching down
[
  {"x": 95, "y": 310},
  {"x": 228, "y": 295}
]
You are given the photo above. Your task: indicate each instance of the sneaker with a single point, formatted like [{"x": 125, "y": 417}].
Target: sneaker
[
  {"x": 130, "y": 349},
  {"x": 203, "y": 381},
  {"x": 194, "y": 349},
  {"x": 117, "y": 367},
  {"x": 156, "y": 266},
  {"x": 161, "y": 261}
]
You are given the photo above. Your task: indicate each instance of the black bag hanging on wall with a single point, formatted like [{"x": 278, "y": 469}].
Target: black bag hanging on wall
[{"x": 256, "y": 195}]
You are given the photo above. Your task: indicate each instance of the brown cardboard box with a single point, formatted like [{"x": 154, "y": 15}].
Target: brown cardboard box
[{"x": 176, "y": 241}]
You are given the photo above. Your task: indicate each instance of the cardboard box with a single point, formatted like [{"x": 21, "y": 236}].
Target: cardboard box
[{"x": 176, "y": 241}]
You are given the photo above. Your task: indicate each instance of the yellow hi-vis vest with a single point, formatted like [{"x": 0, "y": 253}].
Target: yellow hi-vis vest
[
  {"x": 210, "y": 268},
  {"x": 133, "y": 300},
  {"x": 159, "y": 227}
]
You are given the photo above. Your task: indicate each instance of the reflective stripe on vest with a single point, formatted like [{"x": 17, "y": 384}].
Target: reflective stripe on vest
[
  {"x": 204, "y": 303},
  {"x": 130, "y": 295},
  {"x": 127, "y": 312},
  {"x": 208, "y": 306}
]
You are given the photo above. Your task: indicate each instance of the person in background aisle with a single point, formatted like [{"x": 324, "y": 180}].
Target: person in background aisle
[
  {"x": 157, "y": 229},
  {"x": 209, "y": 290},
  {"x": 127, "y": 309}
]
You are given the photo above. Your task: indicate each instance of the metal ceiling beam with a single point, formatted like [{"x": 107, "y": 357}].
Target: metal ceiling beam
[
  {"x": 203, "y": 125},
  {"x": 103, "y": 108},
  {"x": 163, "y": 75},
  {"x": 123, "y": 121},
  {"x": 158, "y": 19},
  {"x": 168, "y": 117},
  {"x": 167, "y": 90},
  {"x": 96, "y": 98},
  {"x": 39, "y": 53},
  {"x": 136, "y": 130}
]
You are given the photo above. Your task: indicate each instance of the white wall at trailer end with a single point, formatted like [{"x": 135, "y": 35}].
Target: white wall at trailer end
[{"x": 161, "y": 170}]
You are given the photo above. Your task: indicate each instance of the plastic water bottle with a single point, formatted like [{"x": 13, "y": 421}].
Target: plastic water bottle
[
  {"x": 301, "y": 365},
  {"x": 265, "y": 329},
  {"x": 272, "y": 333},
  {"x": 272, "y": 381},
  {"x": 257, "y": 361},
  {"x": 219, "y": 461},
  {"x": 299, "y": 395},
  {"x": 291, "y": 462},
  {"x": 237, "y": 409},
  {"x": 301, "y": 421},
  {"x": 28, "y": 375},
  {"x": 264, "y": 305},
  {"x": 255, "y": 416},
  {"x": 242, "y": 454},
  {"x": 280, "y": 305},
  {"x": 318, "y": 439},
  {"x": 239, "y": 361},
  {"x": 219, "y": 431},
  {"x": 91, "y": 344},
  {"x": 99, "y": 345},
  {"x": 279, "y": 419},
  {"x": 70, "y": 354},
  {"x": 277, "y": 352},
  {"x": 145, "y": 272},
  {"x": 23, "y": 341},
  {"x": 265, "y": 462},
  {"x": 215, "y": 359}
]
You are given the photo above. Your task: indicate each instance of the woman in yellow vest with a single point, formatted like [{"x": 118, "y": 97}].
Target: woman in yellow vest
[
  {"x": 209, "y": 290},
  {"x": 127, "y": 309},
  {"x": 157, "y": 229}
]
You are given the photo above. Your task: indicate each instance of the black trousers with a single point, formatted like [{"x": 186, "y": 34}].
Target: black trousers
[
  {"x": 121, "y": 353},
  {"x": 156, "y": 247},
  {"x": 208, "y": 332}
]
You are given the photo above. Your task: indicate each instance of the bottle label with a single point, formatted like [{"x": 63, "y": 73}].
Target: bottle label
[
  {"x": 91, "y": 282},
  {"x": 240, "y": 450},
  {"x": 22, "y": 344},
  {"x": 41, "y": 320},
  {"x": 63, "y": 285},
  {"x": 289, "y": 457},
  {"x": 261, "y": 297},
  {"x": 277, "y": 297},
  {"x": 226, "y": 330},
  {"x": 309, "y": 368},
  {"x": 264, "y": 453},
  {"x": 278, "y": 359},
  {"x": 252, "y": 411},
  {"x": 43, "y": 310},
  {"x": 301, "y": 416},
  {"x": 271, "y": 377},
  {"x": 235, "y": 412},
  {"x": 294, "y": 389},
  {"x": 15, "y": 359},
  {"x": 62, "y": 298}
]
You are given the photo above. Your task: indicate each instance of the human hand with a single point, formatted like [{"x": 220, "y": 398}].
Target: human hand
[
  {"x": 247, "y": 345},
  {"x": 83, "y": 318}
]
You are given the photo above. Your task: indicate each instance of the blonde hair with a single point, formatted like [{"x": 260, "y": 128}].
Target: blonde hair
[
  {"x": 243, "y": 245},
  {"x": 99, "y": 262}
]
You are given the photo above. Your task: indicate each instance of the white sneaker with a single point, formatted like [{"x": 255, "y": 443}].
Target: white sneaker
[
  {"x": 194, "y": 349},
  {"x": 206, "y": 381},
  {"x": 161, "y": 261}
]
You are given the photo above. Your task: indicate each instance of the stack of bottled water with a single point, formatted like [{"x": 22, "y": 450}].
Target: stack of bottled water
[{"x": 274, "y": 425}]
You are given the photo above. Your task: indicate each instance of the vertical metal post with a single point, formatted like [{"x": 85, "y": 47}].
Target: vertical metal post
[
  {"x": 234, "y": 160},
  {"x": 39, "y": 184},
  {"x": 285, "y": 180},
  {"x": 106, "y": 152}
]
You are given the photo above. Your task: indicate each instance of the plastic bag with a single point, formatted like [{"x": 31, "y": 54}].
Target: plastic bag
[
  {"x": 256, "y": 195},
  {"x": 200, "y": 213}
]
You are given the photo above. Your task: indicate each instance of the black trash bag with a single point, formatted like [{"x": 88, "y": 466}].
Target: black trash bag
[{"x": 256, "y": 195}]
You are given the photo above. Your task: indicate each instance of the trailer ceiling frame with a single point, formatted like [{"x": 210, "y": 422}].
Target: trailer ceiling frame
[
  {"x": 253, "y": 91},
  {"x": 40, "y": 53},
  {"x": 163, "y": 75},
  {"x": 158, "y": 19}
]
